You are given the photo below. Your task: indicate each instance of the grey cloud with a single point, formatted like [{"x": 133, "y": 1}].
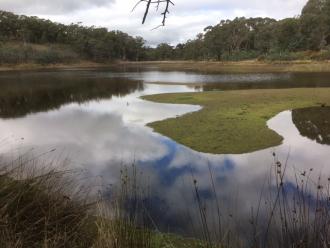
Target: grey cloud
[
  {"x": 50, "y": 7},
  {"x": 186, "y": 19}
]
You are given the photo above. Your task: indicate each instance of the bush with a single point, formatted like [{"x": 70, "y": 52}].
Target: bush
[
  {"x": 18, "y": 54},
  {"x": 284, "y": 56},
  {"x": 54, "y": 56},
  {"x": 15, "y": 55},
  {"x": 242, "y": 55},
  {"x": 323, "y": 55}
]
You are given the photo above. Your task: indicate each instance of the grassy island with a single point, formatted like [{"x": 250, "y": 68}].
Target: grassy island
[{"x": 233, "y": 122}]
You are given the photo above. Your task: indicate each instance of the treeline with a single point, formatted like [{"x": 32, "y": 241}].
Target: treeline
[
  {"x": 306, "y": 36},
  {"x": 92, "y": 43},
  {"x": 264, "y": 38}
]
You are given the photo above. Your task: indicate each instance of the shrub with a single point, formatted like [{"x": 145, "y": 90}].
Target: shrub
[
  {"x": 323, "y": 55},
  {"x": 53, "y": 56},
  {"x": 276, "y": 55},
  {"x": 241, "y": 55},
  {"x": 18, "y": 54}
]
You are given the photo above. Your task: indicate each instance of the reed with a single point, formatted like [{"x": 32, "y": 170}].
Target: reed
[{"x": 286, "y": 215}]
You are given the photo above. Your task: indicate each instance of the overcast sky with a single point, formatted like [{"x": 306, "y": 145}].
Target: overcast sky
[{"x": 187, "y": 17}]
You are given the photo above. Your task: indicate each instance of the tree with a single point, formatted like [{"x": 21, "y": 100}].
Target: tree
[
  {"x": 287, "y": 34},
  {"x": 164, "y": 52},
  {"x": 93, "y": 43},
  {"x": 195, "y": 49},
  {"x": 313, "y": 24}
]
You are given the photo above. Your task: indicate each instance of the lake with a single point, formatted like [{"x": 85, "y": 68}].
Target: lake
[{"x": 96, "y": 121}]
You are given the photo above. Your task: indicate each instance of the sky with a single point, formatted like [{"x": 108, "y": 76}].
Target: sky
[{"x": 187, "y": 18}]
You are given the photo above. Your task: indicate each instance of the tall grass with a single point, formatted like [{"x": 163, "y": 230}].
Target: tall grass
[{"x": 127, "y": 210}]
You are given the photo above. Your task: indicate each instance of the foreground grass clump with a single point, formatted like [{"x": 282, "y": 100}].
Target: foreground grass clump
[
  {"x": 45, "y": 208},
  {"x": 233, "y": 122},
  {"x": 38, "y": 211}
]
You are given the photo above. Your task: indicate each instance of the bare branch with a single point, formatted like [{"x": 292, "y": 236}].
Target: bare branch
[{"x": 158, "y": 3}]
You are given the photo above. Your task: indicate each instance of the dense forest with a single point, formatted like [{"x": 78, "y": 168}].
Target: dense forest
[
  {"x": 245, "y": 38},
  {"x": 45, "y": 41},
  {"x": 306, "y": 36}
]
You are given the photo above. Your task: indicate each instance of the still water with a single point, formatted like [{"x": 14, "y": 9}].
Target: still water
[{"x": 96, "y": 120}]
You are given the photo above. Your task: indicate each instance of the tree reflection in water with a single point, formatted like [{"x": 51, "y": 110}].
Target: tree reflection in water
[{"x": 313, "y": 123}]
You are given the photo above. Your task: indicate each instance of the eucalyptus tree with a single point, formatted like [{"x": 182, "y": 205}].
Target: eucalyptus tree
[
  {"x": 313, "y": 24},
  {"x": 288, "y": 35}
]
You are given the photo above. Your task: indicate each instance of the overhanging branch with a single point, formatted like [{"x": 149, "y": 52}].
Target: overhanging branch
[{"x": 158, "y": 4}]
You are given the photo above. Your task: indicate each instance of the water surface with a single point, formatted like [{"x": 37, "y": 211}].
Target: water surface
[{"x": 97, "y": 121}]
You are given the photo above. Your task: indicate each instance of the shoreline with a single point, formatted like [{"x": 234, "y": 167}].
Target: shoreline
[
  {"x": 248, "y": 66},
  {"x": 35, "y": 67}
]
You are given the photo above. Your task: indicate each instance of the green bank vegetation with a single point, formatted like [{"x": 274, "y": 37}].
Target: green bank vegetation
[{"x": 233, "y": 122}]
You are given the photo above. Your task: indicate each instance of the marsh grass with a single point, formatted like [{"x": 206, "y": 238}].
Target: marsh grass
[
  {"x": 233, "y": 122},
  {"x": 127, "y": 210},
  {"x": 298, "y": 217}
]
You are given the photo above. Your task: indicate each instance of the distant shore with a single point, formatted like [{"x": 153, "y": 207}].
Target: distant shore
[
  {"x": 73, "y": 66},
  {"x": 239, "y": 66},
  {"x": 200, "y": 66}
]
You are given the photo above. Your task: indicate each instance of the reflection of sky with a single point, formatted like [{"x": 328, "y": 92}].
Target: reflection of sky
[
  {"x": 132, "y": 109},
  {"x": 100, "y": 136},
  {"x": 99, "y": 130}
]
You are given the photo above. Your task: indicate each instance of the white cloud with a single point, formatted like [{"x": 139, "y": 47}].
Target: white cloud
[{"x": 187, "y": 18}]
